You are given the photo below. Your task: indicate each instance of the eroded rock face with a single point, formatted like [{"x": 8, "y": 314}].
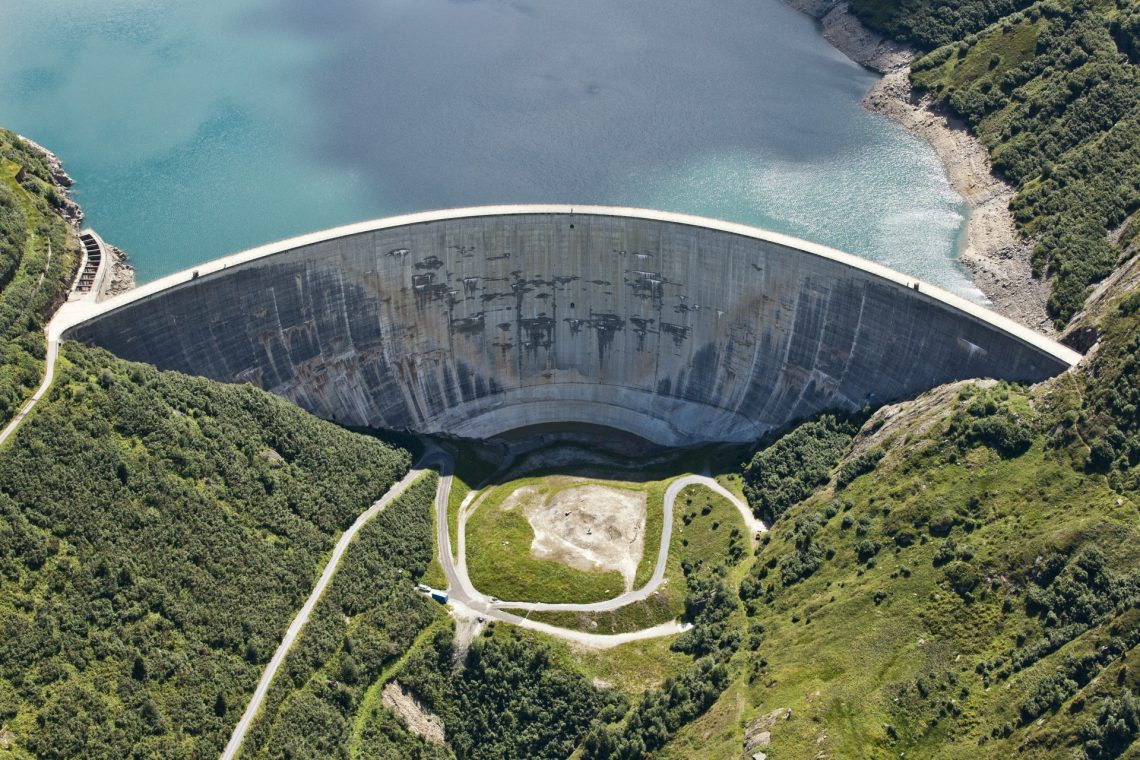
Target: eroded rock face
[{"x": 480, "y": 323}]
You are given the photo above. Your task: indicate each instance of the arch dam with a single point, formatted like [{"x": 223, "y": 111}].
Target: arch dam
[{"x": 475, "y": 322}]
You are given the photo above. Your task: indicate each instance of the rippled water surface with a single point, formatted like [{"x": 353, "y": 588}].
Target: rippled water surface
[{"x": 198, "y": 129}]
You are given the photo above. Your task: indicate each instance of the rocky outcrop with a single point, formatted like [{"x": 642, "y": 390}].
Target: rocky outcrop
[
  {"x": 758, "y": 733},
  {"x": 122, "y": 275}
]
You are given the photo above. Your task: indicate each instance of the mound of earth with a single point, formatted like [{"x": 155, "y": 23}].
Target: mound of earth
[{"x": 591, "y": 527}]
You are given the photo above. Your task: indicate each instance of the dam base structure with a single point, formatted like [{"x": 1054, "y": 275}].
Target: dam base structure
[{"x": 475, "y": 322}]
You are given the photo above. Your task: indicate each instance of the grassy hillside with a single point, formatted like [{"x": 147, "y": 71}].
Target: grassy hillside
[
  {"x": 157, "y": 533},
  {"x": 1053, "y": 90},
  {"x": 965, "y": 583},
  {"x": 38, "y": 255}
]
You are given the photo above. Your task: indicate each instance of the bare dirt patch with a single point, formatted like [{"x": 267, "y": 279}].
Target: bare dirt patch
[
  {"x": 419, "y": 720},
  {"x": 519, "y": 497},
  {"x": 593, "y": 528},
  {"x": 467, "y": 628}
]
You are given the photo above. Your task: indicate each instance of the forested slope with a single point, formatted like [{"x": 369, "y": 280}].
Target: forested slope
[
  {"x": 325, "y": 702},
  {"x": 157, "y": 534},
  {"x": 1053, "y": 90},
  {"x": 38, "y": 255}
]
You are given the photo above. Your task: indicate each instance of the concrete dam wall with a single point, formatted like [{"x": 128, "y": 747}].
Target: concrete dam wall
[{"x": 475, "y": 322}]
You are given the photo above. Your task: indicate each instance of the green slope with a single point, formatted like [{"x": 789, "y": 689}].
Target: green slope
[
  {"x": 157, "y": 534},
  {"x": 38, "y": 255},
  {"x": 975, "y": 593}
]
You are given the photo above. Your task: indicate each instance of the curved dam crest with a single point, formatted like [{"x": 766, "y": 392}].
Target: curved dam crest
[{"x": 474, "y": 322}]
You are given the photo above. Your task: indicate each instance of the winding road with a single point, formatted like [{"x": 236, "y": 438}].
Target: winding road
[
  {"x": 464, "y": 595},
  {"x": 77, "y": 303},
  {"x": 49, "y": 376},
  {"x": 463, "y": 599}
]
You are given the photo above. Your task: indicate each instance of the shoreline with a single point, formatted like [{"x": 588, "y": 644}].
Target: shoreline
[
  {"x": 121, "y": 277},
  {"x": 995, "y": 253}
]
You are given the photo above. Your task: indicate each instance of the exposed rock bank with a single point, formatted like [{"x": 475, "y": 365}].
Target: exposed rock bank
[
  {"x": 418, "y": 719},
  {"x": 995, "y": 253},
  {"x": 122, "y": 275},
  {"x": 69, "y": 209}
]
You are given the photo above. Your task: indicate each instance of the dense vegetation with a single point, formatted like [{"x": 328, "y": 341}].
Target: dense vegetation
[
  {"x": 37, "y": 258},
  {"x": 788, "y": 467},
  {"x": 319, "y": 706},
  {"x": 157, "y": 533},
  {"x": 928, "y": 24},
  {"x": 509, "y": 698},
  {"x": 1108, "y": 419},
  {"x": 1053, "y": 90}
]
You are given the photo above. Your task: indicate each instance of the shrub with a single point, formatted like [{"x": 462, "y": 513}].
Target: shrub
[{"x": 788, "y": 468}]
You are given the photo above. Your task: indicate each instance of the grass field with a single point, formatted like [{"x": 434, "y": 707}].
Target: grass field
[
  {"x": 499, "y": 557},
  {"x": 651, "y": 475}
]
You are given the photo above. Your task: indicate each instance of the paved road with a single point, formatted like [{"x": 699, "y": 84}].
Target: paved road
[
  {"x": 63, "y": 316},
  {"x": 49, "y": 376},
  {"x": 302, "y": 617},
  {"x": 752, "y": 523},
  {"x": 592, "y": 640}
]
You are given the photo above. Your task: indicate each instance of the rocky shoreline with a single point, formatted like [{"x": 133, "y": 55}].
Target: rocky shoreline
[
  {"x": 70, "y": 210},
  {"x": 121, "y": 278},
  {"x": 995, "y": 253}
]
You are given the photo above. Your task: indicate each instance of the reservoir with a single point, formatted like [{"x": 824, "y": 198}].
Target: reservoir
[{"x": 198, "y": 129}]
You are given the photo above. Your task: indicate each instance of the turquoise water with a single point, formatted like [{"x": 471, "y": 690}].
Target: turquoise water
[{"x": 194, "y": 130}]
